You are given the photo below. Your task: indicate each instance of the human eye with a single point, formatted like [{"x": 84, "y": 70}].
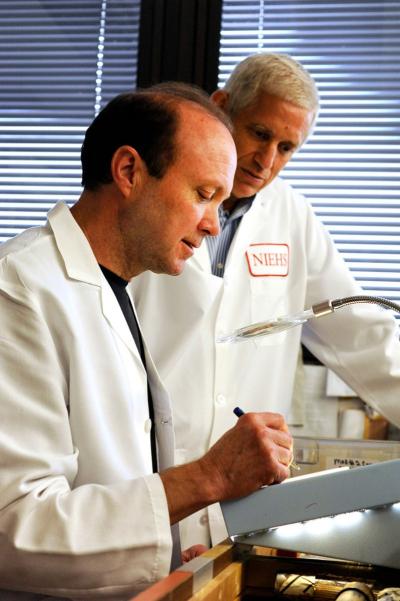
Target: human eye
[
  {"x": 205, "y": 195},
  {"x": 260, "y": 133},
  {"x": 286, "y": 148}
]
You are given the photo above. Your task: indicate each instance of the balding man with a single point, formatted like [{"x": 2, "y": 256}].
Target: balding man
[{"x": 87, "y": 491}]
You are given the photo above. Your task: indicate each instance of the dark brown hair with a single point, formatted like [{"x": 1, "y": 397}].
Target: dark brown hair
[{"x": 148, "y": 121}]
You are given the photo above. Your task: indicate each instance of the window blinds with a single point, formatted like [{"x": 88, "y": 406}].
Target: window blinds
[
  {"x": 350, "y": 167},
  {"x": 60, "y": 61}
]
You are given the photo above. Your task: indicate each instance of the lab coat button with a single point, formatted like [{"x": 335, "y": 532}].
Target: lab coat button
[
  {"x": 147, "y": 425},
  {"x": 204, "y": 520},
  {"x": 220, "y": 400}
]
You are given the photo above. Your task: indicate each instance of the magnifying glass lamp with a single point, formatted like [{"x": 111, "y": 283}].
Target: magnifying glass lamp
[{"x": 280, "y": 324}]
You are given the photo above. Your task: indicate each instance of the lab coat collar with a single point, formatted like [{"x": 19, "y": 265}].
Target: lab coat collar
[
  {"x": 81, "y": 264},
  {"x": 76, "y": 252}
]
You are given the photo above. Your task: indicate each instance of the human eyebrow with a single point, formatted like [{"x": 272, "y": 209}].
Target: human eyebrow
[
  {"x": 264, "y": 133},
  {"x": 260, "y": 131}
]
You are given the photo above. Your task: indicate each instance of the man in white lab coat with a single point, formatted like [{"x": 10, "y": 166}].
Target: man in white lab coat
[
  {"x": 272, "y": 258},
  {"x": 87, "y": 494}
]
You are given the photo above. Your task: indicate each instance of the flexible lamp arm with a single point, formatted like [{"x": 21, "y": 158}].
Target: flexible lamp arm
[
  {"x": 329, "y": 306},
  {"x": 350, "y": 300}
]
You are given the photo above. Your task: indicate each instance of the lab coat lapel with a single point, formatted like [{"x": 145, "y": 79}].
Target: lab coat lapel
[
  {"x": 163, "y": 415},
  {"x": 113, "y": 313},
  {"x": 81, "y": 264}
]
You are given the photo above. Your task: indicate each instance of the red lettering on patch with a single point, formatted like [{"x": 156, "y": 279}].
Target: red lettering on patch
[{"x": 268, "y": 259}]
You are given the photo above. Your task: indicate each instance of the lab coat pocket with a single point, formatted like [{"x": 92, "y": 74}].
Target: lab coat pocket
[{"x": 269, "y": 300}]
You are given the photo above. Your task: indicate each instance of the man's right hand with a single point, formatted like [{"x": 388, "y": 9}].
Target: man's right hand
[{"x": 255, "y": 452}]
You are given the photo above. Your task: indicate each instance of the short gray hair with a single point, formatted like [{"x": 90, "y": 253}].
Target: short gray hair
[{"x": 275, "y": 74}]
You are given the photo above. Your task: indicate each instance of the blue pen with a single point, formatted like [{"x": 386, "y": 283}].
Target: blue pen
[{"x": 239, "y": 412}]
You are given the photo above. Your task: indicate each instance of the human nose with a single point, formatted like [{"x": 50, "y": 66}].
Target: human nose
[
  {"x": 265, "y": 156},
  {"x": 210, "y": 221}
]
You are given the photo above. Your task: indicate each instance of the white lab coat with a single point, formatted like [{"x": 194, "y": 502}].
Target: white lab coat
[
  {"x": 182, "y": 317},
  {"x": 81, "y": 514}
]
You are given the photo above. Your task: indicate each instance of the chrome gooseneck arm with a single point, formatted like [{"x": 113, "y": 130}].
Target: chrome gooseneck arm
[{"x": 376, "y": 300}]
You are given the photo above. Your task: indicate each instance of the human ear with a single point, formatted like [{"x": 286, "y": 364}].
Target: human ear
[
  {"x": 125, "y": 166},
  {"x": 220, "y": 98}
]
